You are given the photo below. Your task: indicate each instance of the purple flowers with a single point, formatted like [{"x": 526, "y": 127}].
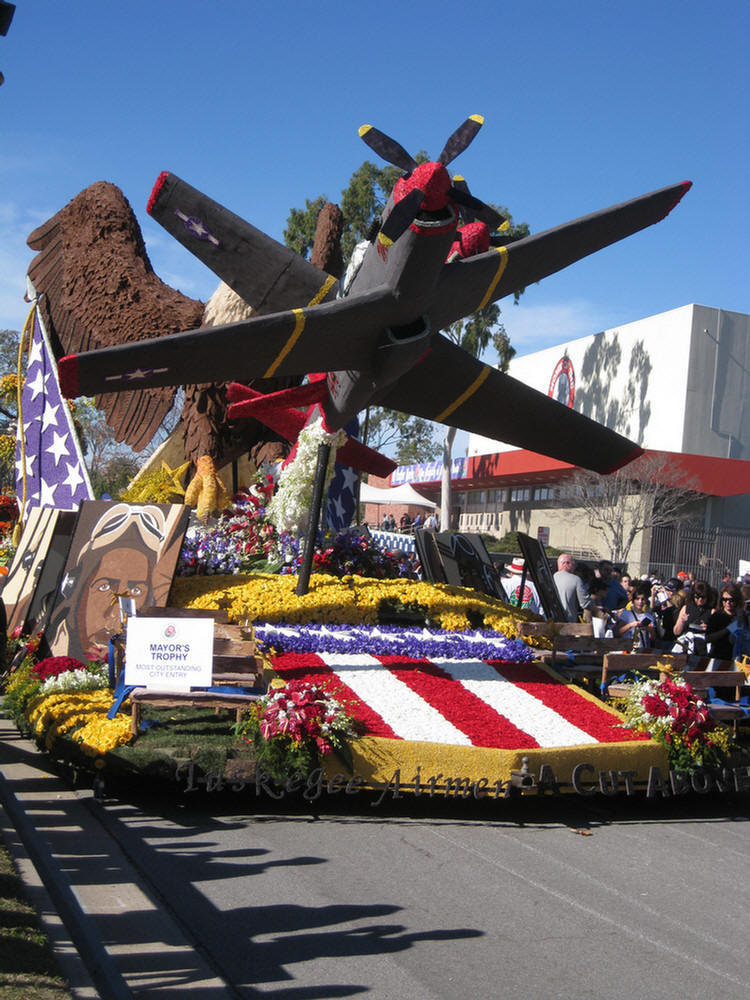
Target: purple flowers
[{"x": 393, "y": 640}]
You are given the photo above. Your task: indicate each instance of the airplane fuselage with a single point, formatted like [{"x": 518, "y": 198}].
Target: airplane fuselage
[{"x": 410, "y": 269}]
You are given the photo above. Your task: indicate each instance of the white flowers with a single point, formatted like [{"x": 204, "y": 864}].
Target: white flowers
[
  {"x": 91, "y": 679},
  {"x": 290, "y": 507}
]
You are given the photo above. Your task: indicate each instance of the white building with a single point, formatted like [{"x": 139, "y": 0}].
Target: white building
[
  {"x": 678, "y": 381},
  {"x": 677, "y": 384}
]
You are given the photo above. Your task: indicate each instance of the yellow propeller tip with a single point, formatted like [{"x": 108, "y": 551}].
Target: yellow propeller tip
[
  {"x": 479, "y": 119},
  {"x": 364, "y": 129}
]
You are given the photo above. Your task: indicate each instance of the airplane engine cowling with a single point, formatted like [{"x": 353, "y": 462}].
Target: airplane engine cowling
[{"x": 351, "y": 391}]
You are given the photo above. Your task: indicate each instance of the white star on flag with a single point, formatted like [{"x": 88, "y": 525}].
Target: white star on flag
[
  {"x": 49, "y": 417},
  {"x": 47, "y": 498},
  {"x": 74, "y": 478},
  {"x": 58, "y": 448},
  {"x": 37, "y": 384}
]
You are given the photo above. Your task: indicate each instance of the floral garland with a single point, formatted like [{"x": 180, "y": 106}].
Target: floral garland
[
  {"x": 92, "y": 678},
  {"x": 293, "y": 726},
  {"x": 392, "y": 640},
  {"x": 672, "y": 714},
  {"x": 53, "y": 666},
  {"x": 60, "y": 696},
  {"x": 290, "y": 506}
]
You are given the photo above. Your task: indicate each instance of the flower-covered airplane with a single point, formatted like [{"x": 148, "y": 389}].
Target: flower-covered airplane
[{"x": 377, "y": 335}]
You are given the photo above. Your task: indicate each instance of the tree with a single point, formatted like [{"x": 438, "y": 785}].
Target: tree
[
  {"x": 9, "y": 341},
  {"x": 362, "y": 200},
  {"x": 412, "y": 437},
  {"x": 111, "y": 464},
  {"x": 623, "y": 504}
]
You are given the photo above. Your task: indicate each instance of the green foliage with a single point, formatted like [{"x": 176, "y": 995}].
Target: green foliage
[
  {"x": 113, "y": 476},
  {"x": 299, "y": 234},
  {"x": 111, "y": 464},
  {"x": 410, "y": 439},
  {"x": 361, "y": 201},
  {"x": 508, "y": 543},
  {"x": 27, "y": 961},
  {"x": 281, "y": 757}
]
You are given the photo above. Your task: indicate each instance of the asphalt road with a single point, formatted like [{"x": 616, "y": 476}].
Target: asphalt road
[
  {"x": 229, "y": 896},
  {"x": 557, "y": 899}
]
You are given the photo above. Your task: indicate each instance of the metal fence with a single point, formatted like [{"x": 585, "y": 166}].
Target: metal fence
[{"x": 707, "y": 553}]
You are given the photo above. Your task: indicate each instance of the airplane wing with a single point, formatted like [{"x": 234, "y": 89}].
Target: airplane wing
[
  {"x": 339, "y": 335},
  {"x": 470, "y": 284},
  {"x": 267, "y": 275},
  {"x": 451, "y": 387}
]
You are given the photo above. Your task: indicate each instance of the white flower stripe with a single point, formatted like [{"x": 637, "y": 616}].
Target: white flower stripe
[
  {"x": 544, "y": 724},
  {"x": 408, "y": 715}
]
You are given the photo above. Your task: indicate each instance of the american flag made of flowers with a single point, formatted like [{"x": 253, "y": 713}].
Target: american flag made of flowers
[
  {"x": 505, "y": 701},
  {"x": 50, "y": 471}
]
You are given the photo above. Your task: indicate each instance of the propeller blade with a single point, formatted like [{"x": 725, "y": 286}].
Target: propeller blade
[
  {"x": 459, "y": 184},
  {"x": 402, "y": 215},
  {"x": 476, "y": 208},
  {"x": 386, "y": 148},
  {"x": 460, "y": 139}
]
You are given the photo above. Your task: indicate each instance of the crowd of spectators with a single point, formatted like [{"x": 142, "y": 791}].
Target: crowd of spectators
[
  {"x": 681, "y": 614},
  {"x": 406, "y": 525}
]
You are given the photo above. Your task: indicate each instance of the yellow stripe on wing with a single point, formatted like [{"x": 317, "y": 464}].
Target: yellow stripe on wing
[
  {"x": 467, "y": 394},
  {"x": 323, "y": 291},
  {"x": 503, "y": 251},
  {"x": 299, "y": 326}
]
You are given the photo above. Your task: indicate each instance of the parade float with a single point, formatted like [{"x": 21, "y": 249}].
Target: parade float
[
  {"x": 372, "y": 685},
  {"x": 348, "y": 673}
]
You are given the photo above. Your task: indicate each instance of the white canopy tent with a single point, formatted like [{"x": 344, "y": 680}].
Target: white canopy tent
[{"x": 397, "y": 494}]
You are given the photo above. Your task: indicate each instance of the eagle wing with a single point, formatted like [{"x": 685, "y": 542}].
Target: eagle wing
[{"x": 97, "y": 288}]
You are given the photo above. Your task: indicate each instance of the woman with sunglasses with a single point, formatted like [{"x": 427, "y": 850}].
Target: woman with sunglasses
[
  {"x": 724, "y": 623},
  {"x": 691, "y": 626}
]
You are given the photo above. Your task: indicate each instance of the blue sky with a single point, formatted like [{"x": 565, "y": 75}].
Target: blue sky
[{"x": 586, "y": 104}]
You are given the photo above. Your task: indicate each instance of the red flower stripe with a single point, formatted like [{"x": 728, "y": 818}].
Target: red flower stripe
[
  {"x": 462, "y": 708},
  {"x": 568, "y": 702},
  {"x": 309, "y": 667}
]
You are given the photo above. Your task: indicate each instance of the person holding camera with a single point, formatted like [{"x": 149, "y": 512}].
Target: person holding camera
[
  {"x": 666, "y": 601},
  {"x": 638, "y": 620},
  {"x": 692, "y": 622}
]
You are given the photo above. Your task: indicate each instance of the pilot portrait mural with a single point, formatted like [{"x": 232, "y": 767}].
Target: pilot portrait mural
[{"x": 118, "y": 549}]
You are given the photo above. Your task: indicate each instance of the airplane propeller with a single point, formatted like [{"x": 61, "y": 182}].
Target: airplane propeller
[
  {"x": 387, "y": 149},
  {"x": 404, "y": 211},
  {"x": 472, "y": 209},
  {"x": 461, "y": 138}
]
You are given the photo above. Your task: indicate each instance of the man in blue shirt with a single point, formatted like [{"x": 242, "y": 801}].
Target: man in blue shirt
[{"x": 616, "y": 595}]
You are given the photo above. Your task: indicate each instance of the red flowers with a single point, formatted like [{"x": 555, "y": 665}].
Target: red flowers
[
  {"x": 301, "y": 712},
  {"x": 688, "y": 716},
  {"x": 53, "y": 666}
]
